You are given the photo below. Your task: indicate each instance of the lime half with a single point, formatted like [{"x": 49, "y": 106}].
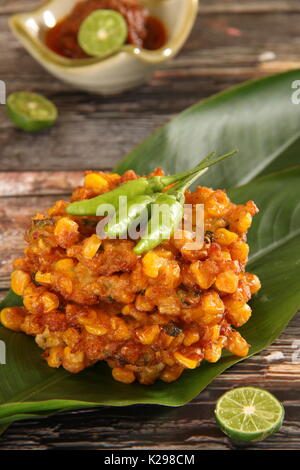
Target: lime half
[
  {"x": 102, "y": 33},
  {"x": 30, "y": 112},
  {"x": 249, "y": 414}
]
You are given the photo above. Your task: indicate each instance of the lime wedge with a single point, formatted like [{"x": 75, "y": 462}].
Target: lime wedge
[
  {"x": 249, "y": 414},
  {"x": 30, "y": 112},
  {"x": 102, "y": 33}
]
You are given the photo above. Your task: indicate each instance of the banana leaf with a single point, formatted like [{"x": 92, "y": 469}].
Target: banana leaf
[
  {"x": 3, "y": 428},
  {"x": 258, "y": 118},
  {"x": 30, "y": 388}
]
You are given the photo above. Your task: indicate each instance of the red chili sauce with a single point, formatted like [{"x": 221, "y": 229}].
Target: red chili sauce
[{"x": 144, "y": 30}]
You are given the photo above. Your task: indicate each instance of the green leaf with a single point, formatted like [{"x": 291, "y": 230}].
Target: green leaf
[
  {"x": 258, "y": 118},
  {"x": 11, "y": 300},
  {"x": 28, "y": 385},
  {"x": 3, "y": 428}
]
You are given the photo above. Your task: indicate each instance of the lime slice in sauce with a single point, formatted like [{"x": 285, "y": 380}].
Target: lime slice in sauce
[
  {"x": 30, "y": 112},
  {"x": 249, "y": 414},
  {"x": 102, "y": 33}
]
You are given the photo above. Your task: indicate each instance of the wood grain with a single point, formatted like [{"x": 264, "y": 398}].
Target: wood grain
[
  {"x": 189, "y": 427},
  {"x": 227, "y": 46},
  {"x": 232, "y": 41}
]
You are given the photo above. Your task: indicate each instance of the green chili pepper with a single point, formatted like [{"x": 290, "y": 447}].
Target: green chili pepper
[
  {"x": 167, "y": 213},
  {"x": 131, "y": 189},
  {"x": 134, "y": 211},
  {"x": 171, "y": 202},
  {"x": 138, "y": 187}
]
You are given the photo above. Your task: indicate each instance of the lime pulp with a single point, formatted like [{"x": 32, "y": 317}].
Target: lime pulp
[
  {"x": 249, "y": 414},
  {"x": 102, "y": 33},
  {"x": 30, "y": 112}
]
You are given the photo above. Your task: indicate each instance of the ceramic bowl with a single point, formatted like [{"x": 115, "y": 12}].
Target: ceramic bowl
[{"x": 129, "y": 67}]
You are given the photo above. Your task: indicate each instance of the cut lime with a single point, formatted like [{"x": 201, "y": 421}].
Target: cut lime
[
  {"x": 102, "y": 33},
  {"x": 249, "y": 414},
  {"x": 30, "y": 112}
]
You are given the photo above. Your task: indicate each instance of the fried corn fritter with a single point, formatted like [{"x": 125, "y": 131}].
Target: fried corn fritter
[{"x": 149, "y": 317}]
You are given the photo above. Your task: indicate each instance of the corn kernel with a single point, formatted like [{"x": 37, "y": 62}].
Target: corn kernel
[
  {"x": 96, "y": 182},
  {"x": 214, "y": 332},
  {"x": 76, "y": 357},
  {"x": 97, "y": 330},
  {"x": 71, "y": 337},
  {"x": 244, "y": 222},
  {"x": 148, "y": 334},
  {"x": 166, "y": 357},
  {"x": 166, "y": 340},
  {"x": 64, "y": 225},
  {"x": 171, "y": 373},
  {"x": 227, "y": 282},
  {"x": 224, "y": 237},
  {"x": 191, "y": 337},
  {"x": 212, "y": 303},
  {"x": 88, "y": 319},
  {"x": 143, "y": 304},
  {"x": 126, "y": 310},
  {"x": 43, "y": 246},
  {"x": 55, "y": 357},
  {"x": 19, "y": 281},
  {"x": 217, "y": 203},
  {"x": 237, "y": 345},
  {"x": 164, "y": 254},
  {"x": 238, "y": 312},
  {"x": 58, "y": 208},
  {"x": 253, "y": 282},
  {"x": 123, "y": 375},
  {"x": 121, "y": 330},
  {"x": 49, "y": 301},
  {"x": 66, "y": 232},
  {"x": 226, "y": 255},
  {"x": 65, "y": 285},
  {"x": 12, "y": 318},
  {"x": 152, "y": 264},
  {"x": 185, "y": 361},
  {"x": 65, "y": 264},
  {"x": 239, "y": 251},
  {"x": 91, "y": 246},
  {"x": 213, "y": 352},
  {"x": 204, "y": 277},
  {"x": 43, "y": 278},
  {"x": 73, "y": 362},
  {"x": 32, "y": 325}
]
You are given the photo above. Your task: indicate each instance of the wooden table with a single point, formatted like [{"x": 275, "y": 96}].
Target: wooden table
[{"x": 233, "y": 40}]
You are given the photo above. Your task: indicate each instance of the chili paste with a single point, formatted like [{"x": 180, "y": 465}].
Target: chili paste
[{"x": 144, "y": 30}]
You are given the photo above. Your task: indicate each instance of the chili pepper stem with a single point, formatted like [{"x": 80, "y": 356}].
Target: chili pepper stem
[
  {"x": 205, "y": 163},
  {"x": 167, "y": 180}
]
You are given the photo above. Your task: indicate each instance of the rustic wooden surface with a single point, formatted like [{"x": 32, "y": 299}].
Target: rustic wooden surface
[{"x": 233, "y": 40}]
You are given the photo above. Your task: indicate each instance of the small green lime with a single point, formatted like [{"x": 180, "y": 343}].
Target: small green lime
[
  {"x": 102, "y": 33},
  {"x": 249, "y": 414},
  {"x": 30, "y": 112}
]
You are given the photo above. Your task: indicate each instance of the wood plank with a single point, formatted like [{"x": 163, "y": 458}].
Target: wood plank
[
  {"x": 219, "y": 6},
  {"x": 228, "y": 45},
  {"x": 36, "y": 183},
  {"x": 95, "y": 132},
  {"x": 189, "y": 427}
]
